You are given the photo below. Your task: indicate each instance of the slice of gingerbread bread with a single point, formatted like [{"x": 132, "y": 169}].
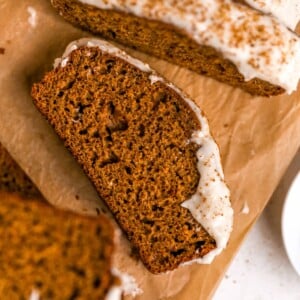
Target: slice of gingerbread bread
[
  {"x": 13, "y": 179},
  {"x": 51, "y": 254},
  {"x": 228, "y": 41},
  {"x": 47, "y": 253},
  {"x": 147, "y": 149}
]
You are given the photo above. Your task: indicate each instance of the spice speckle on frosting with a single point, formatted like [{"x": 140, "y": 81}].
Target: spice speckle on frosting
[{"x": 288, "y": 12}]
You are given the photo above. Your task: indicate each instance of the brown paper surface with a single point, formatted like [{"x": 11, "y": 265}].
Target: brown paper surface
[{"x": 258, "y": 138}]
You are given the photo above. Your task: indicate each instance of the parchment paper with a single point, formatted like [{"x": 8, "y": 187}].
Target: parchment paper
[{"x": 258, "y": 138}]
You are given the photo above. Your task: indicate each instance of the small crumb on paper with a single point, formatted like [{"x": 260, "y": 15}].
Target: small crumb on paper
[
  {"x": 2, "y": 50},
  {"x": 32, "y": 16},
  {"x": 245, "y": 210},
  {"x": 35, "y": 295}
]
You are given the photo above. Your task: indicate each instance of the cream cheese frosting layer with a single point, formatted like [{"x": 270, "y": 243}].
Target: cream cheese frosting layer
[
  {"x": 259, "y": 45},
  {"x": 287, "y": 11},
  {"x": 210, "y": 205}
]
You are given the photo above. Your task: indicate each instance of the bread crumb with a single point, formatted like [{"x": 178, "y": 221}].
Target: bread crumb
[
  {"x": 32, "y": 16},
  {"x": 35, "y": 295},
  {"x": 245, "y": 210}
]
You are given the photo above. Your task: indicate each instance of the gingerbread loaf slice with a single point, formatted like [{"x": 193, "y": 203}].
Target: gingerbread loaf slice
[
  {"x": 47, "y": 253},
  {"x": 228, "y": 41},
  {"x": 147, "y": 149},
  {"x": 52, "y": 254}
]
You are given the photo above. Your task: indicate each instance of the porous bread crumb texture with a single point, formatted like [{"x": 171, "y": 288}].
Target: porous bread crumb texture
[
  {"x": 13, "y": 179},
  {"x": 132, "y": 139},
  {"x": 58, "y": 254},
  {"x": 174, "y": 45}
]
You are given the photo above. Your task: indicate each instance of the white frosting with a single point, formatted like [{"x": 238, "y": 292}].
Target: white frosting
[
  {"x": 105, "y": 47},
  {"x": 210, "y": 205},
  {"x": 287, "y": 11},
  {"x": 32, "y": 16},
  {"x": 259, "y": 45}
]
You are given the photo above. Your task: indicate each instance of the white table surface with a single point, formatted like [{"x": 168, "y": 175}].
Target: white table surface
[{"x": 261, "y": 270}]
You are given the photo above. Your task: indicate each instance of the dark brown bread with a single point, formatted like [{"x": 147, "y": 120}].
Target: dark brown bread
[
  {"x": 132, "y": 139},
  {"x": 57, "y": 254},
  {"x": 174, "y": 45},
  {"x": 13, "y": 179}
]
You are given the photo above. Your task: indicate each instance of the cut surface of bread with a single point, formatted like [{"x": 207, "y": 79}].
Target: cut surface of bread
[
  {"x": 132, "y": 134},
  {"x": 221, "y": 39},
  {"x": 51, "y": 254}
]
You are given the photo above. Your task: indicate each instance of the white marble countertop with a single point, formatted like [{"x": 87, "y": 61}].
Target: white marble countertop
[{"x": 261, "y": 269}]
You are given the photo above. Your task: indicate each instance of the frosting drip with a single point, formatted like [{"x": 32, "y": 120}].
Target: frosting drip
[
  {"x": 259, "y": 45},
  {"x": 210, "y": 205}
]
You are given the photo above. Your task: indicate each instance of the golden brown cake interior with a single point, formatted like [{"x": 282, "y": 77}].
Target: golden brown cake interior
[
  {"x": 132, "y": 138},
  {"x": 56, "y": 254},
  {"x": 161, "y": 40}
]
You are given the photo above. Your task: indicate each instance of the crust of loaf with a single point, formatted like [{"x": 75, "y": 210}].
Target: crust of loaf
[{"x": 173, "y": 46}]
